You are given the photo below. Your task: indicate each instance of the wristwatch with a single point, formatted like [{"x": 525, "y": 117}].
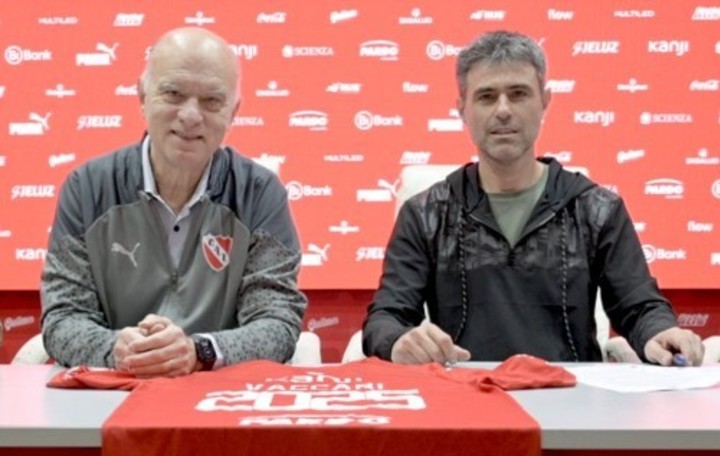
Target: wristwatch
[{"x": 205, "y": 352}]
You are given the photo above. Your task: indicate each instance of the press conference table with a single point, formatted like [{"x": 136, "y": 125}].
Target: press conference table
[{"x": 579, "y": 420}]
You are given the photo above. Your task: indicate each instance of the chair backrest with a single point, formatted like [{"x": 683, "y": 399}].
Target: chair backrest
[
  {"x": 353, "y": 350},
  {"x": 32, "y": 352},
  {"x": 307, "y": 350},
  {"x": 712, "y": 350},
  {"x": 416, "y": 178}
]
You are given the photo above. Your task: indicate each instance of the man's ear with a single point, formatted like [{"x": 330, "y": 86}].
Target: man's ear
[
  {"x": 546, "y": 97},
  {"x": 460, "y": 104},
  {"x": 141, "y": 91}
]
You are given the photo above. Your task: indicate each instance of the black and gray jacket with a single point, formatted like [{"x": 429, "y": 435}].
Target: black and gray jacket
[
  {"x": 108, "y": 265},
  {"x": 536, "y": 298}
]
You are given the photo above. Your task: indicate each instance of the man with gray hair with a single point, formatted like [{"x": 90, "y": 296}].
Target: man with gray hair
[
  {"x": 174, "y": 254},
  {"x": 508, "y": 253}
]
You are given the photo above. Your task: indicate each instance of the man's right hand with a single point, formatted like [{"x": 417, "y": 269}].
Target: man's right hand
[{"x": 425, "y": 344}]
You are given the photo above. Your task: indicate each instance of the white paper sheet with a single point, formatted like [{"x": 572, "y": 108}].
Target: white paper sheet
[{"x": 640, "y": 378}]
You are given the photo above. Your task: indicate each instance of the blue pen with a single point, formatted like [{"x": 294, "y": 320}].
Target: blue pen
[{"x": 679, "y": 360}]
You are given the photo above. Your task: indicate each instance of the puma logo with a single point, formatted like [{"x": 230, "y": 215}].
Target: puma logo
[{"x": 117, "y": 248}]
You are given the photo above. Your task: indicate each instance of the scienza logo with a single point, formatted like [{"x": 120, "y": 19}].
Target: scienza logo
[{"x": 216, "y": 249}]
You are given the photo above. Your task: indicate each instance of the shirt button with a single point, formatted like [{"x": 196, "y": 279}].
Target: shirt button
[{"x": 176, "y": 228}]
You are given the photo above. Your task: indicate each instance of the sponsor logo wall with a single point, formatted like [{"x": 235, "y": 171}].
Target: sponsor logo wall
[{"x": 339, "y": 98}]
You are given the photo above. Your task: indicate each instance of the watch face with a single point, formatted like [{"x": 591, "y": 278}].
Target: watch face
[{"x": 205, "y": 352}]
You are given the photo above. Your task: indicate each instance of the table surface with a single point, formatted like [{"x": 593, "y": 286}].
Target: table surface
[{"x": 583, "y": 417}]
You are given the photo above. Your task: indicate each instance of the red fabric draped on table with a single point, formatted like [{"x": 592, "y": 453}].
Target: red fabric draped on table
[{"x": 365, "y": 408}]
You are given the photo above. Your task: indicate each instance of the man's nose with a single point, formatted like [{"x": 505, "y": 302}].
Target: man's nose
[
  {"x": 503, "y": 107},
  {"x": 190, "y": 112}
]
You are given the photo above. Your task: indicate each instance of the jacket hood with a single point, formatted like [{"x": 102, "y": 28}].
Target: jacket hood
[{"x": 562, "y": 185}]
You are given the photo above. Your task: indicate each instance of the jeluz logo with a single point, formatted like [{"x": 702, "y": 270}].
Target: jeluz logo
[
  {"x": 297, "y": 191},
  {"x": 245, "y": 51},
  {"x": 60, "y": 159},
  {"x": 58, "y": 20},
  {"x": 700, "y": 227},
  {"x": 104, "y": 56},
  {"x": 126, "y": 91},
  {"x": 128, "y": 20},
  {"x": 624, "y": 156},
  {"x": 451, "y": 123},
  {"x": 665, "y": 187},
  {"x": 648, "y": 118},
  {"x": 412, "y": 157},
  {"x": 715, "y": 189},
  {"x": 30, "y": 254},
  {"x": 634, "y": 14},
  {"x": 706, "y": 13},
  {"x": 315, "y": 255},
  {"x": 604, "y": 118},
  {"x": 344, "y": 87},
  {"x": 596, "y": 47},
  {"x": 710, "y": 85},
  {"x": 562, "y": 156},
  {"x": 415, "y": 18},
  {"x": 289, "y": 51},
  {"x": 344, "y": 227},
  {"x": 278, "y": 17},
  {"x": 199, "y": 19},
  {"x": 560, "y": 85},
  {"x": 703, "y": 157},
  {"x": 37, "y": 126},
  {"x": 385, "y": 192},
  {"x": 312, "y": 120},
  {"x": 369, "y": 254},
  {"x": 343, "y": 16},
  {"x": 560, "y": 15},
  {"x": 413, "y": 87},
  {"x": 15, "y": 55},
  {"x": 488, "y": 15},
  {"x": 677, "y": 47},
  {"x": 437, "y": 50},
  {"x": 365, "y": 120},
  {"x": 653, "y": 254},
  {"x": 248, "y": 121},
  {"x": 60, "y": 91},
  {"x": 632, "y": 86},
  {"x": 272, "y": 90},
  {"x": 32, "y": 191},
  {"x": 94, "y": 121},
  {"x": 380, "y": 49}
]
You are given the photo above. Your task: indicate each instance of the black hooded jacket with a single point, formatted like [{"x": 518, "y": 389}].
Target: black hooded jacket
[{"x": 537, "y": 297}]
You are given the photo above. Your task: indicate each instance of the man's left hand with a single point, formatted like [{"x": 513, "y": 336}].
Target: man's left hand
[
  {"x": 165, "y": 351},
  {"x": 661, "y": 347}
]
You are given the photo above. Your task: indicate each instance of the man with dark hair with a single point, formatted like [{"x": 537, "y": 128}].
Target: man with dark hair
[
  {"x": 174, "y": 254},
  {"x": 508, "y": 253}
]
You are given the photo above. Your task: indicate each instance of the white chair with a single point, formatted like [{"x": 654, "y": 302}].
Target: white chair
[
  {"x": 31, "y": 352},
  {"x": 307, "y": 351},
  {"x": 712, "y": 350},
  {"x": 416, "y": 178}
]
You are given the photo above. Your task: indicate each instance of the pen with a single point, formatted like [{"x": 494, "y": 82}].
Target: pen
[{"x": 679, "y": 360}]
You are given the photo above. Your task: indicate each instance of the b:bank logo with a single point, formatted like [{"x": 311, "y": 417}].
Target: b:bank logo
[{"x": 437, "y": 50}]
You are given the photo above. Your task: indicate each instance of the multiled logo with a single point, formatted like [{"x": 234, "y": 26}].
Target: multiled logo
[{"x": 665, "y": 187}]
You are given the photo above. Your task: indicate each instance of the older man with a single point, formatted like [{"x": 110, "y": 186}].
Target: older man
[
  {"x": 508, "y": 253},
  {"x": 174, "y": 254}
]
